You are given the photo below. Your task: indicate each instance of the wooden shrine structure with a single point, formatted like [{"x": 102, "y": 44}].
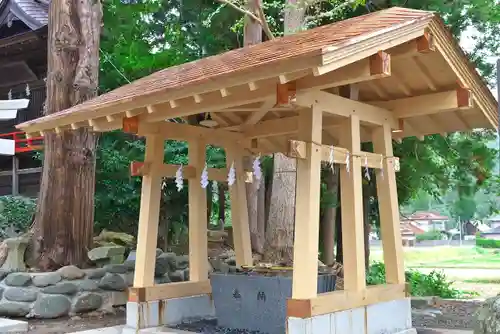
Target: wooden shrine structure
[
  {"x": 380, "y": 77},
  {"x": 23, "y": 66}
]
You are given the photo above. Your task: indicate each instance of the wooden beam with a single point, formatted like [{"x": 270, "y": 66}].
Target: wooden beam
[
  {"x": 184, "y": 132},
  {"x": 280, "y": 126},
  {"x": 198, "y": 243},
  {"x": 298, "y": 149},
  {"x": 367, "y": 69},
  {"x": 337, "y": 105},
  {"x": 213, "y": 101},
  {"x": 428, "y": 104},
  {"x": 169, "y": 291},
  {"x": 149, "y": 214},
  {"x": 352, "y": 208},
  {"x": 239, "y": 209},
  {"x": 421, "y": 45},
  {"x": 389, "y": 208},
  {"x": 169, "y": 170},
  {"x": 327, "y": 303},
  {"x": 260, "y": 113},
  {"x": 305, "y": 256}
]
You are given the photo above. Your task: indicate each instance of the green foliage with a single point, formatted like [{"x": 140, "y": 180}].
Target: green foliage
[
  {"x": 16, "y": 213},
  {"x": 431, "y": 235},
  {"x": 422, "y": 285},
  {"x": 487, "y": 243}
]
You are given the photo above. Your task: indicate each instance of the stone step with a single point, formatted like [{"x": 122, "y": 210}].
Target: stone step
[{"x": 13, "y": 326}]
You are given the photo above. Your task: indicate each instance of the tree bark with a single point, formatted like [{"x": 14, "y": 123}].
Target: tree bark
[
  {"x": 280, "y": 228},
  {"x": 222, "y": 204},
  {"x": 252, "y": 34},
  {"x": 209, "y": 202},
  {"x": 339, "y": 256},
  {"x": 366, "y": 221},
  {"x": 65, "y": 214},
  {"x": 329, "y": 216}
]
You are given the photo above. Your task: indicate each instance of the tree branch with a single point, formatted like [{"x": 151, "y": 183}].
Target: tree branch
[
  {"x": 264, "y": 23},
  {"x": 261, "y": 19}
]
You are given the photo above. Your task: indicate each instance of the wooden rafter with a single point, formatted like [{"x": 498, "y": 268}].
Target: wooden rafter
[{"x": 428, "y": 104}]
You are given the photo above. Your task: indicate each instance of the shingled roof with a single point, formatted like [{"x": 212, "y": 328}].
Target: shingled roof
[
  {"x": 31, "y": 12},
  {"x": 332, "y": 43}
]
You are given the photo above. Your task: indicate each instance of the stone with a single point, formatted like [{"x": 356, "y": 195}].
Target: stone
[
  {"x": 231, "y": 261},
  {"x": 51, "y": 306},
  {"x": 130, "y": 264},
  {"x": 20, "y": 295},
  {"x": 18, "y": 279},
  {"x": 15, "y": 256},
  {"x": 96, "y": 273},
  {"x": 176, "y": 276},
  {"x": 87, "y": 285},
  {"x": 116, "y": 268},
  {"x": 107, "y": 255},
  {"x": 46, "y": 279},
  {"x": 162, "y": 280},
  {"x": 13, "y": 326},
  {"x": 182, "y": 262},
  {"x": 4, "y": 273},
  {"x": 487, "y": 317},
  {"x": 113, "y": 282},
  {"x": 224, "y": 268},
  {"x": 117, "y": 238},
  {"x": 1, "y": 292},
  {"x": 63, "y": 288},
  {"x": 163, "y": 264},
  {"x": 71, "y": 272},
  {"x": 129, "y": 279},
  {"x": 87, "y": 302},
  {"x": 14, "y": 309},
  {"x": 186, "y": 274},
  {"x": 158, "y": 252}
]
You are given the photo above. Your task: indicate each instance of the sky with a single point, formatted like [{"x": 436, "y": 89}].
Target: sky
[{"x": 467, "y": 43}]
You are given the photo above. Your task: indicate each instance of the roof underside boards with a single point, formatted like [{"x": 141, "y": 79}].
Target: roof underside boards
[{"x": 427, "y": 83}]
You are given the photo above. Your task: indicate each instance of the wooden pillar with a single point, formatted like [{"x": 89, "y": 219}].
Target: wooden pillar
[
  {"x": 389, "y": 208},
  {"x": 198, "y": 244},
  {"x": 305, "y": 256},
  {"x": 239, "y": 210},
  {"x": 15, "y": 175},
  {"x": 149, "y": 214},
  {"x": 352, "y": 208}
]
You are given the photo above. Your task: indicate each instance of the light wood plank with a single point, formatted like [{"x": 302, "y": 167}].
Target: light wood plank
[
  {"x": 305, "y": 257},
  {"x": 352, "y": 208},
  {"x": 198, "y": 244},
  {"x": 239, "y": 209},
  {"x": 149, "y": 214},
  {"x": 389, "y": 208}
]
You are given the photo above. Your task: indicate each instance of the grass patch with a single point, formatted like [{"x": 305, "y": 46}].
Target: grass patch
[
  {"x": 482, "y": 280},
  {"x": 446, "y": 257}
]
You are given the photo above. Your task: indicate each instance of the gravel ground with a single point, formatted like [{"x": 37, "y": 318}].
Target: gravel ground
[
  {"x": 210, "y": 327},
  {"x": 78, "y": 323}
]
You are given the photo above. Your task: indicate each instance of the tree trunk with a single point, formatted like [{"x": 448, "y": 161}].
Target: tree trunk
[
  {"x": 329, "y": 216},
  {"x": 222, "y": 204},
  {"x": 65, "y": 214},
  {"x": 209, "y": 202},
  {"x": 252, "y": 34},
  {"x": 280, "y": 228},
  {"x": 339, "y": 257},
  {"x": 366, "y": 221}
]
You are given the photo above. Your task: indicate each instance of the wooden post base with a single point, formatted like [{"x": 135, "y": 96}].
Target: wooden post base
[
  {"x": 392, "y": 317},
  {"x": 168, "y": 312}
]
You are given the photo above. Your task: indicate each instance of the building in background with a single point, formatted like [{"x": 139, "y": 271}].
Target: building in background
[
  {"x": 426, "y": 221},
  {"x": 23, "y": 67}
]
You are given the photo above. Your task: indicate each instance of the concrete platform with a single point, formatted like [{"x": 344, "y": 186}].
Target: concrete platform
[{"x": 13, "y": 326}]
